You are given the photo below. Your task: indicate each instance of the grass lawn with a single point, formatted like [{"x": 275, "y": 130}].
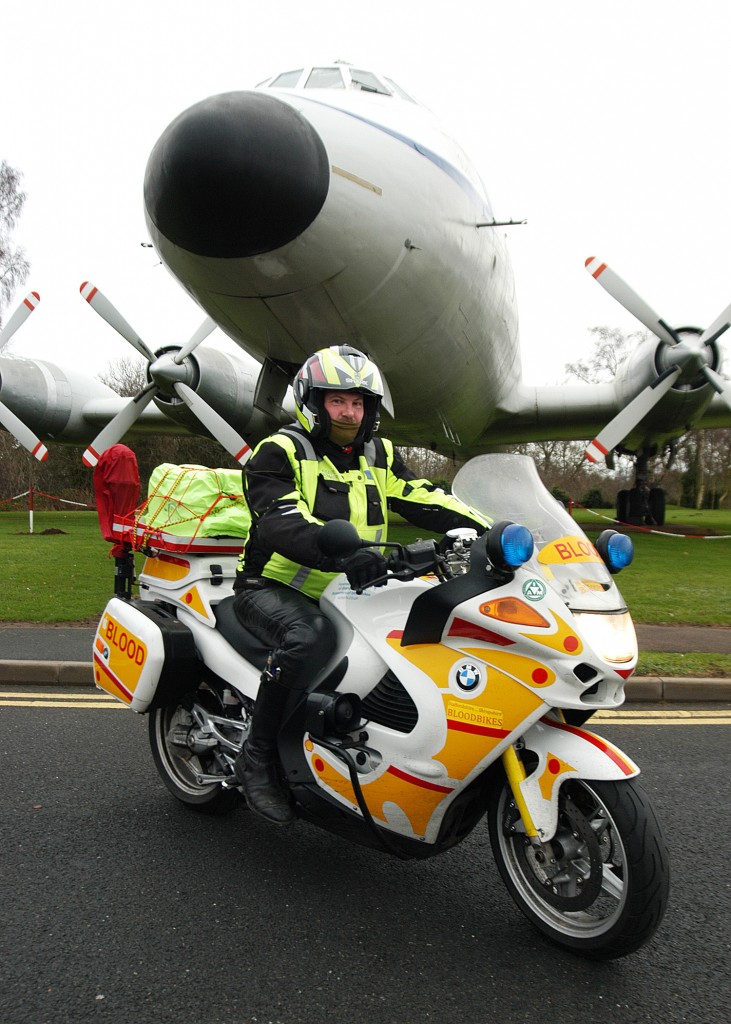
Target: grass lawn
[
  {"x": 60, "y": 576},
  {"x": 66, "y": 576},
  {"x": 677, "y": 578},
  {"x": 718, "y": 520},
  {"x": 662, "y": 663}
]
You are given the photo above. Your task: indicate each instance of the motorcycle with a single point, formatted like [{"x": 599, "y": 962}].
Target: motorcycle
[{"x": 457, "y": 690}]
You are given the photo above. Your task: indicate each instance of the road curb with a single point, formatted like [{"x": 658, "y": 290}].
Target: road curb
[
  {"x": 645, "y": 689},
  {"x": 46, "y": 673}
]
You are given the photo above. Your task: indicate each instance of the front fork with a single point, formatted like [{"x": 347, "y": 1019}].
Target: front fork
[
  {"x": 516, "y": 774},
  {"x": 561, "y": 752}
]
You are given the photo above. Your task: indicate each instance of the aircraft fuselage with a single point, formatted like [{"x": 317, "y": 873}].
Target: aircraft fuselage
[{"x": 301, "y": 219}]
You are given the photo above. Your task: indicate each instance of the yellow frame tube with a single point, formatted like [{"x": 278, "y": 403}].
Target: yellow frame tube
[{"x": 515, "y": 773}]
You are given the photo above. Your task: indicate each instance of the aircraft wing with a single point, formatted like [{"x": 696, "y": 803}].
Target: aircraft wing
[{"x": 301, "y": 217}]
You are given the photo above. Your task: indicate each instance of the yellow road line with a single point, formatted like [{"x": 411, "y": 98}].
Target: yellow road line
[
  {"x": 61, "y": 704},
  {"x": 50, "y": 699},
  {"x": 46, "y": 695},
  {"x": 645, "y": 713},
  {"x": 666, "y": 721},
  {"x": 680, "y": 716}
]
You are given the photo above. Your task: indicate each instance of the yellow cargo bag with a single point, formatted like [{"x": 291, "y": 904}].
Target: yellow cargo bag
[{"x": 194, "y": 501}]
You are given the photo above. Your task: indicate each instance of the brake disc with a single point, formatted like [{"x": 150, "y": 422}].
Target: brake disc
[{"x": 567, "y": 872}]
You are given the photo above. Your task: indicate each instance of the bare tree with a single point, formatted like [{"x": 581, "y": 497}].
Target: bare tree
[
  {"x": 125, "y": 376},
  {"x": 430, "y": 465},
  {"x": 611, "y": 348},
  {"x": 704, "y": 468},
  {"x": 14, "y": 469},
  {"x": 14, "y": 266}
]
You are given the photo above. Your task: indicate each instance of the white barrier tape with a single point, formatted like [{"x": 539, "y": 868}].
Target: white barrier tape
[{"x": 647, "y": 529}]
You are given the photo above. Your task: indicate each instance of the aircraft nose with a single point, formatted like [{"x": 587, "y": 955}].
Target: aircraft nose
[{"x": 236, "y": 175}]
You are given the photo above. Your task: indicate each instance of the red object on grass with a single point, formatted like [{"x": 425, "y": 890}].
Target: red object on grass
[{"x": 117, "y": 489}]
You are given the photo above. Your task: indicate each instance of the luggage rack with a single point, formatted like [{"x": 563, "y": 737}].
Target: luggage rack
[{"x": 131, "y": 531}]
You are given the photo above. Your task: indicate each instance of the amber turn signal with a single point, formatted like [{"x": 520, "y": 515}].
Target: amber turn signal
[{"x": 512, "y": 609}]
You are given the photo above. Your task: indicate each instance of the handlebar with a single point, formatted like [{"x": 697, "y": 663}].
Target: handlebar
[{"x": 339, "y": 539}]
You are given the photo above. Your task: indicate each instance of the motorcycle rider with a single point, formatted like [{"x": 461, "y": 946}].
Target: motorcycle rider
[{"x": 328, "y": 466}]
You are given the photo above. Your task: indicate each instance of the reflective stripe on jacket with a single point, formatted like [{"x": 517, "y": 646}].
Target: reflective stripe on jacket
[{"x": 291, "y": 509}]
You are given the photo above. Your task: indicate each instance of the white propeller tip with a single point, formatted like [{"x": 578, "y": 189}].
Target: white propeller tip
[
  {"x": 40, "y": 452},
  {"x": 19, "y": 317},
  {"x": 595, "y": 266},
  {"x": 90, "y": 457},
  {"x": 596, "y": 451}
]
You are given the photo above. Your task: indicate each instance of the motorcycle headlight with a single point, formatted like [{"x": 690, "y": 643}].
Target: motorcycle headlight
[{"x": 611, "y": 635}]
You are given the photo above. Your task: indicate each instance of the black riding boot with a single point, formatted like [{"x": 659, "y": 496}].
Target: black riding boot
[{"x": 256, "y": 765}]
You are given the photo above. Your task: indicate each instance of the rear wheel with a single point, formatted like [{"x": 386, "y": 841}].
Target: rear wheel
[
  {"x": 600, "y": 887},
  {"x": 188, "y": 755}
]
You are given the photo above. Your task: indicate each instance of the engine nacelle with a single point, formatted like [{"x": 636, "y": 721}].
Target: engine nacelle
[
  {"x": 228, "y": 383},
  {"x": 63, "y": 405},
  {"x": 680, "y": 408},
  {"x": 51, "y": 400}
]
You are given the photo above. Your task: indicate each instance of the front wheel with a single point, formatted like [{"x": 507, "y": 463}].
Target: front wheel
[{"x": 600, "y": 886}]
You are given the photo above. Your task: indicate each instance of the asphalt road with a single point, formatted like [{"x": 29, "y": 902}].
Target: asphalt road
[{"x": 120, "y": 904}]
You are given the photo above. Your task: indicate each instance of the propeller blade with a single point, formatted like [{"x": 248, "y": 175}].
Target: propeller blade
[
  {"x": 723, "y": 387},
  {"x": 626, "y": 420},
  {"x": 203, "y": 331},
  {"x": 718, "y": 326},
  {"x": 629, "y": 298},
  {"x": 225, "y": 434},
  {"x": 24, "y": 435},
  {"x": 21, "y": 314},
  {"x": 119, "y": 425},
  {"x": 101, "y": 304}
]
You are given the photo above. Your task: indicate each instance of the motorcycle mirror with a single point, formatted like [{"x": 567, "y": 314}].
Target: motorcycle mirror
[{"x": 338, "y": 539}]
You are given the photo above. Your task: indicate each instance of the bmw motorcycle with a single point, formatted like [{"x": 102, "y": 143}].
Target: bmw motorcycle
[{"x": 459, "y": 690}]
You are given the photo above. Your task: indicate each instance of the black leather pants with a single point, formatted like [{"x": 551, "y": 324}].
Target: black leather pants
[{"x": 301, "y": 637}]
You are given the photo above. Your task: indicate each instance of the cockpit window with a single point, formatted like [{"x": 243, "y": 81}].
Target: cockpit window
[
  {"x": 399, "y": 91},
  {"x": 324, "y": 78},
  {"x": 287, "y": 80},
  {"x": 368, "y": 82},
  {"x": 345, "y": 77}
]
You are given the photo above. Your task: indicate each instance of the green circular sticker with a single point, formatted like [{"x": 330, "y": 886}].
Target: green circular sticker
[{"x": 534, "y": 590}]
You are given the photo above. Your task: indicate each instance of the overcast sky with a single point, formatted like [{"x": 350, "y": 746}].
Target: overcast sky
[{"x": 605, "y": 125}]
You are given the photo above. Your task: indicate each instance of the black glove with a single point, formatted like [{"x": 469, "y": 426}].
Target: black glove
[{"x": 362, "y": 568}]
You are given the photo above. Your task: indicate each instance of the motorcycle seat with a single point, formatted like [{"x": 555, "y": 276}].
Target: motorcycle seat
[{"x": 234, "y": 632}]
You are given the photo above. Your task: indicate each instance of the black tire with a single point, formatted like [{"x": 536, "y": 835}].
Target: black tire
[
  {"x": 179, "y": 766},
  {"x": 623, "y": 506},
  {"x": 607, "y": 889},
  {"x": 657, "y": 505}
]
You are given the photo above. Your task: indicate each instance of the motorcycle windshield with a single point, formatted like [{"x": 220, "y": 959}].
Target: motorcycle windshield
[{"x": 508, "y": 487}]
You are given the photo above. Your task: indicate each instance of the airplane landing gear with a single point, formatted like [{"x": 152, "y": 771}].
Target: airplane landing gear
[{"x": 641, "y": 506}]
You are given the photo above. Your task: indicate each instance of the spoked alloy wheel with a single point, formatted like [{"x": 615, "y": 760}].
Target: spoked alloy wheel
[
  {"x": 183, "y": 752},
  {"x": 600, "y": 887}
]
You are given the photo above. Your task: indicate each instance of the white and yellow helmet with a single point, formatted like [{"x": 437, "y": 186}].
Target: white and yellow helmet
[{"x": 339, "y": 368}]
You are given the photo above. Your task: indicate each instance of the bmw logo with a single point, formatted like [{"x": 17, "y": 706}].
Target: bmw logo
[{"x": 468, "y": 676}]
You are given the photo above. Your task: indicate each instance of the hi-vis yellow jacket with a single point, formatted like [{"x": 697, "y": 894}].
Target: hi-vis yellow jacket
[{"x": 293, "y": 487}]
